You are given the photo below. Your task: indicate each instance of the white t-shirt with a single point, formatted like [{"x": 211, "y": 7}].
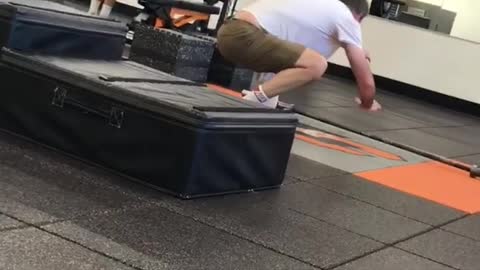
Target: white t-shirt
[{"x": 321, "y": 25}]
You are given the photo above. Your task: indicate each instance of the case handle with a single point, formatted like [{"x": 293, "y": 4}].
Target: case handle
[{"x": 114, "y": 116}]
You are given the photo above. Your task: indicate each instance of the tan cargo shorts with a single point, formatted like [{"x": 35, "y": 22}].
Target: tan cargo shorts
[{"x": 250, "y": 47}]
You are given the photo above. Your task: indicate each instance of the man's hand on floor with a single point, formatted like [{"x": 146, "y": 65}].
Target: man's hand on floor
[{"x": 374, "y": 108}]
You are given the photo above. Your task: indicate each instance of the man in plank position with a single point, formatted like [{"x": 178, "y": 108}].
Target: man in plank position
[{"x": 293, "y": 39}]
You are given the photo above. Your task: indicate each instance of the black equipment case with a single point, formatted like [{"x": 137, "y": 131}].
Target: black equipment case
[
  {"x": 165, "y": 131},
  {"x": 47, "y": 28}
]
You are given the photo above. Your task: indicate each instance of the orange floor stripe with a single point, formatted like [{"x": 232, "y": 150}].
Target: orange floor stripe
[
  {"x": 327, "y": 145},
  {"x": 433, "y": 181},
  {"x": 224, "y": 90}
]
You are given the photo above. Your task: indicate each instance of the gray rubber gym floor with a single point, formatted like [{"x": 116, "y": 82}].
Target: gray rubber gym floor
[{"x": 59, "y": 213}]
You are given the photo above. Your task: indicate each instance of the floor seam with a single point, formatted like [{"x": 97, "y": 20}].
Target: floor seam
[
  {"x": 306, "y": 179},
  {"x": 459, "y": 234},
  {"x": 426, "y": 258},
  {"x": 470, "y": 155},
  {"x": 241, "y": 237},
  {"x": 394, "y": 244},
  {"x": 357, "y": 258},
  {"x": 371, "y": 204},
  {"x": 337, "y": 226},
  {"x": 13, "y": 228},
  {"x": 74, "y": 242},
  {"x": 26, "y": 225}
]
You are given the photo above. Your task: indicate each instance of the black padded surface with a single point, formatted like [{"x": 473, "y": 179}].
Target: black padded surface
[
  {"x": 180, "y": 242},
  {"x": 393, "y": 259},
  {"x": 389, "y": 199},
  {"x": 280, "y": 229},
  {"x": 46, "y": 5},
  {"x": 447, "y": 248},
  {"x": 88, "y": 71},
  {"x": 303, "y": 169},
  {"x": 468, "y": 227},
  {"x": 428, "y": 142}
]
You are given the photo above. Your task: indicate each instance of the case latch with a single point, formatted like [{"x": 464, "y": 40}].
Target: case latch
[
  {"x": 116, "y": 117},
  {"x": 59, "y": 95},
  {"x": 111, "y": 114}
]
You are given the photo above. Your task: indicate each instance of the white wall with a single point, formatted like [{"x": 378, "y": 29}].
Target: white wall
[
  {"x": 420, "y": 57},
  {"x": 467, "y": 22}
]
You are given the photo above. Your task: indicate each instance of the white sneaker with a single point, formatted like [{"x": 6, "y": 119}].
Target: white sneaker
[{"x": 270, "y": 103}]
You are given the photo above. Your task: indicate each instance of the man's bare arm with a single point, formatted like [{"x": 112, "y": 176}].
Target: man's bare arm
[{"x": 363, "y": 75}]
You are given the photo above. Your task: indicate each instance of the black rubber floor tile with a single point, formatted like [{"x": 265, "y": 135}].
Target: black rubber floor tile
[
  {"x": 436, "y": 116},
  {"x": 304, "y": 169},
  {"x": 392, "y": 101},
  {"x": 290, "y": 180},
  {"x": 326, "y": 93},
  {"x": 9, "y": 223},
  {"x": 34, "y": 249},
  {"x": 62, "y": 197},
  {"x": 472, "y": 159},
  {"x": 344, "y": 212},
  {"x": 278, "y": 228},
  {"x": 104, "y": 245},
  {"x": 342, "y": 92},
  {"x": 303, "y": 99},
  {"x": 22, "y": 212},
  {"x": 387, "y": 198},
  {"x": 179, "y": 242},
  {"x": 468, "y": 227},
  {"x": 446, "y": 248},
  {"x": 50, "y": 185},
  {"x": 359, "y": 120},
  {"x": 468, "y": 135},
  {"x": 428, "y": 142},
  {"x": 393, "y": 259}
]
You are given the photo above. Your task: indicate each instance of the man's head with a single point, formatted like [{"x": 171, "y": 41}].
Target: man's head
[{"x": 359, "y": 8}]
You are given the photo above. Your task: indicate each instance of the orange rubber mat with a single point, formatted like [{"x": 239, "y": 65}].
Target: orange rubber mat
[{"x": 433, "y": 181}]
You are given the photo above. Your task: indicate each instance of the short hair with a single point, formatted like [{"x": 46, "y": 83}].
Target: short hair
[{"x": 359, "y": 7}]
